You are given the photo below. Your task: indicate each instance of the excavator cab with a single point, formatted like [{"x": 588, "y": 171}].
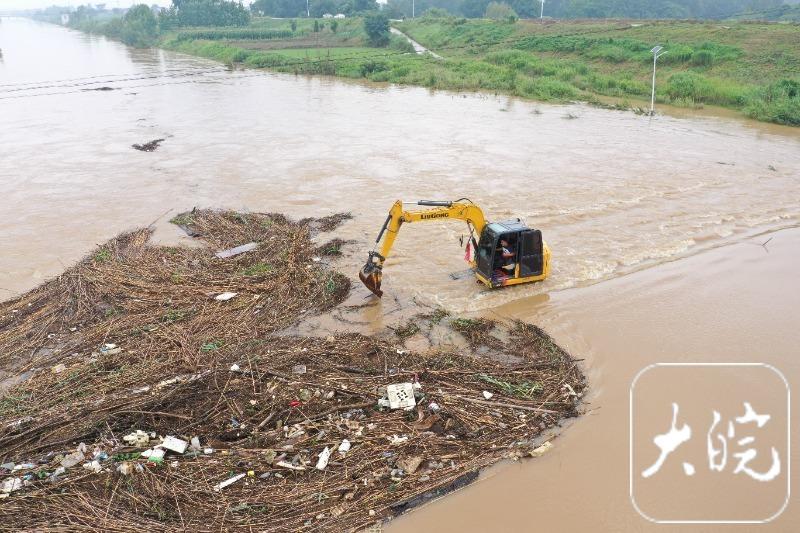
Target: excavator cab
[
  {"x": 524, "y": 243},
  {"x": 528, "y": 260}
]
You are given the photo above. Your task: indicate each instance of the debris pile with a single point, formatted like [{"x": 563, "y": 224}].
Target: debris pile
[
  {"x": 174, "y": 408},
  {"x": 150, "y": 146}
]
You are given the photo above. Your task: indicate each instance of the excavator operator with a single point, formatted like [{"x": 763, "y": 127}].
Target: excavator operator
[{"x": 507, "y": 254}]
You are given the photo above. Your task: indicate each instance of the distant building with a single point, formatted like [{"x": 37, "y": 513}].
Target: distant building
[
  {"x": 327, "y": 16},
  {"x": 339, "y": 16},
  {"x": 64, "y": 19}
]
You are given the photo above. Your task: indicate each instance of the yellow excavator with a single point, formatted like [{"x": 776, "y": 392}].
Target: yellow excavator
[{"x": 504, "y": 253}]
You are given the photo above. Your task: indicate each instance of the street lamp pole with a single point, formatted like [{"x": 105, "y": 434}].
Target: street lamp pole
[
  {"x": 541, "y": 13},
  {"x": 657, "y": 52},
  {"x": 413, "y": 15},
  {"x": 308, "y": 10}
]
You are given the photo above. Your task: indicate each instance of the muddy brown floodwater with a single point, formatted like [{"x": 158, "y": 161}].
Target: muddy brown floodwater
[{"x": 655, "y": 227}]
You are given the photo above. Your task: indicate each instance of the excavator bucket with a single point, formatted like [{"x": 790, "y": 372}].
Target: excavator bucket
[
  {"x": 370, "y": 275},
  {"x": 372, "y": 281}
]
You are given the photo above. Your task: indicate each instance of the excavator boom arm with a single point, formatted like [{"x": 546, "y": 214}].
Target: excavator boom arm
[{"x": 434, "y": 210}]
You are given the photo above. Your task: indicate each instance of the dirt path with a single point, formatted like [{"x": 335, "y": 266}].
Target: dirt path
[{"x": 418, "y": 48}]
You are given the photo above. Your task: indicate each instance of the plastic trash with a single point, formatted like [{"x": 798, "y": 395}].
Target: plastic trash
[
  {"x": 488, "y": 395},
  {"x": 290, "y": 466},
  {"x": 324, "y": 457},
  {"x": 401, "y": 395},
  {"x": 93, "y": 466},
  {"x": 231, "y": 252},
  {"x": 20, "y": 422},
  {"x": 137, "y": 438},
  {"x": 110, "y": 349},
  {"x": 156, "y": 455},
  {"x": 235, "y": 368},
  {"x": 72, "y": 459},
  {"x": 125, "y": 468},
  {"x": 228, "y": 482},
  {"x": 541, "y": 450},
  {"x": 299, "y": 369},
  {"x": 194, "y": 444},
  {"x": 11, "y": 484},
  {"x": 225, "y": 296},
  {"x": 174, "y": 444},
  {"x": 394, "y": 439},
  {"x": 24, "y": 466},
  {"x": 58, "y": 368},
  {"x": 344, "y": 447}
]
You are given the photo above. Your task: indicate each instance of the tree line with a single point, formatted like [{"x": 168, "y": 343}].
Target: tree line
[{"x": 317, "y": 8}]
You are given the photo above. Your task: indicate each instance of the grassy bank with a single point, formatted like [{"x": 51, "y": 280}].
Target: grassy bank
[{"x": 747, "y": 66}]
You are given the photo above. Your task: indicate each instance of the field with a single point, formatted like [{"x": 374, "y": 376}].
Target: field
[{"x": 748, "y": 66}]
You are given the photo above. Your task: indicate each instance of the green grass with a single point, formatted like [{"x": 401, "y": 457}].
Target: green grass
[
  {"x": 218, "y": 34},
  {"x": 752, "y": 67},
  {"x": 258, "y": 269}
]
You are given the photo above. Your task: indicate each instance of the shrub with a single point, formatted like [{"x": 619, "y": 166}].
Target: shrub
[
  {"x": 139, "y": 27},
  {"x": 400, "y": 44},
  {"x": 611, "y": 53},
  {"x": 779, "y": 102},
  {"x": 501, "y": 11},
  {"x": 703, "y": 58},
  {"x": 376, "y": 25},
  {"x": 370, "y": 67},
  {"x": 206, "y": 13},
  {"x": 692, "y": 87},
  {"x": 546, "y": 88}
]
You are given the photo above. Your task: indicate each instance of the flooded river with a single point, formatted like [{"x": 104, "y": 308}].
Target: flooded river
[{"x": 654, "y": 222}]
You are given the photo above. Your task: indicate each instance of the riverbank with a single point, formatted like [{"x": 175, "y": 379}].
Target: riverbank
[{"x": 749, "y": 67}]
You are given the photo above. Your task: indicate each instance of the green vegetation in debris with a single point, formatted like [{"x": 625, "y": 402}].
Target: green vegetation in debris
[
  {"x": 183, "y": 219},
  {"x": 258, "y": 269},
  {"x": 211, "y": 346},
  {"x": 522, "y": 389},
  {"x": 409, "y": 329},
  {"x": 102, "y": 255}
]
